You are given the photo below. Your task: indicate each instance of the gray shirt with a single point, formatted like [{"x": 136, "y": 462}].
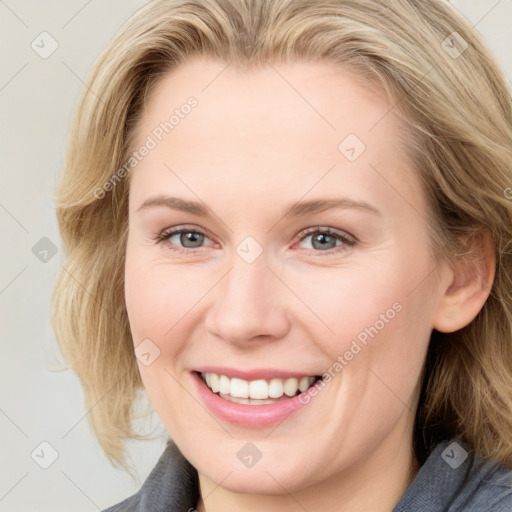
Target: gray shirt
[{"x": 452, "y": 479}]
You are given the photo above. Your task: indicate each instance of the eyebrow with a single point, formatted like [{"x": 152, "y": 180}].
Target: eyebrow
[{"x": 294, "y": 210}]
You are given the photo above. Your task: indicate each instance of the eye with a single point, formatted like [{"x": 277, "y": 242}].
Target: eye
[
  {"x": 189, "y": 239},
  {"x": 324, "y": 239}
]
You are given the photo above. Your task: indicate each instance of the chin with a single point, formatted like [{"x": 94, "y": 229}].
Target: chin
[{"x": 270, "y": 477}]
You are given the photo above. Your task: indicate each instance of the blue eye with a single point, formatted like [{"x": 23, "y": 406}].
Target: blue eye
[
  {"x": 186, "y": 236},
  {"x": 323, "y": 240}
]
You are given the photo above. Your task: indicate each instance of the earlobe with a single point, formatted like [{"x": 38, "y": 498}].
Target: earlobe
[{"x": 466, "y": 285}]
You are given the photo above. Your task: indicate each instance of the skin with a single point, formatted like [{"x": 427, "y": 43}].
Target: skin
[{"x": 251, "y": 147}]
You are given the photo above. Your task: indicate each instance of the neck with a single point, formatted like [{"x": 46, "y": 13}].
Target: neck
[{"x": 375, "y": 484}]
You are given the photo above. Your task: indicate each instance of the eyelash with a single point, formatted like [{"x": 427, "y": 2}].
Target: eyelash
[{"x": 348, "y": 242}]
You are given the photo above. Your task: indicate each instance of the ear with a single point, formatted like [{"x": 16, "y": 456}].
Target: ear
[{"x": 466, "y": 285}]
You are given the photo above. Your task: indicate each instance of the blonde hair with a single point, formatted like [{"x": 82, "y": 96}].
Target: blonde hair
[{"x": 457, "y": 110}]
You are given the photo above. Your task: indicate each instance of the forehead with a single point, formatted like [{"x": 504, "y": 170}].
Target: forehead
[
  {"x": 286, "y": 98},
  {"x": 297, "y": 126}
]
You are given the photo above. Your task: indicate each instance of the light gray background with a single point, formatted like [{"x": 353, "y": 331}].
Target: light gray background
[{"x": 36, "y": 404}]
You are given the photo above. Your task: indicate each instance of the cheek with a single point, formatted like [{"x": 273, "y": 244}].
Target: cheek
[
  {"x": 361, "y": 303},
  {"x": 156, "y": 300},
  {"x": 163, "y": 303},
  {"x": 378, "y": 317},
  {"x": 392, "y": 314},
  {"x": 157, "y": 296}
]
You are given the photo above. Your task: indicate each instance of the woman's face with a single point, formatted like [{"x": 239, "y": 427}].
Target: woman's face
[{"x": 256, "y": 291}]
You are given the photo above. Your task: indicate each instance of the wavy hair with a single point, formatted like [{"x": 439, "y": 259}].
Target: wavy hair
[{"x": 456, "y": 109}]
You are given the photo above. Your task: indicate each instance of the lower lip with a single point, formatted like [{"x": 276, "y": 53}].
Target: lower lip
[{"x": 247, "y": 415}]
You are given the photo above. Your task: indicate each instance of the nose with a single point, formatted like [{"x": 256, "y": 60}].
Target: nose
[{"x": 249, "y": 304}]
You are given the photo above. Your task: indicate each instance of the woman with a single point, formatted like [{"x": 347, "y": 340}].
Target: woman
[{"x": 288, "y": 222}]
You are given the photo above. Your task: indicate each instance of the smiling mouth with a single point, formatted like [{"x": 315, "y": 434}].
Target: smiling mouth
[{"x": 256, "y": 392}]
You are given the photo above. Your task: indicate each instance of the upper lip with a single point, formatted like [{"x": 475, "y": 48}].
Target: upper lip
[{"x": 254, "y": 374}]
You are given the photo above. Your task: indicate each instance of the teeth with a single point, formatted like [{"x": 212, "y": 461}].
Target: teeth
[
  {"x": 275, "y": 388},
  {"x": 256, "y": 389},
  {"x": 304, "y": 384},
  {"x": 214, "y": 382},
  {"x": 290, "y": 387},
  {"x": 246, "y": 401},
  {"x": 224, "y": 385},
  {"x": 239, "y": 388}
]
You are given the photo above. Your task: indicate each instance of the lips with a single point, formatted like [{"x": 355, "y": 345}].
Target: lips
[{"x": 245, "y": 410}]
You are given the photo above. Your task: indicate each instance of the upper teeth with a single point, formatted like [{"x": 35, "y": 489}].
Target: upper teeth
[{"x": 257, "y": 389}]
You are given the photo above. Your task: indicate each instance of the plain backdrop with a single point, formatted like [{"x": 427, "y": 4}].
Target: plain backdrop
[{"x": 42, "y": 415}]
